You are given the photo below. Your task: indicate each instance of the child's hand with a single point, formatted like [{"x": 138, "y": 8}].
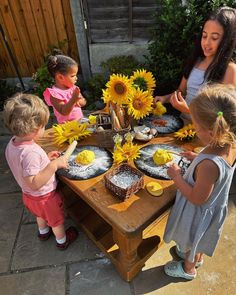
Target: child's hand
[
  {"x": 189, "y": 155},
  {"x": 179, "y": 103},
  {"x": 53, "y": 155},
  {"x": 76, "y": 94},
  {"x": 82, "y": 101},
  {"x": 174, "y": 171},
  {"x": 61, "y": 162}
]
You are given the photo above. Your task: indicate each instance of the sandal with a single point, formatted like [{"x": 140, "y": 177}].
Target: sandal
[
  {"x": 183, "y": 256},
  {"x": 175, "y": 269}
]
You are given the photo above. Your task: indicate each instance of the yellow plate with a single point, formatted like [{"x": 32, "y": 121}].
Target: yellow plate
[{"x": 154, "y": 188}]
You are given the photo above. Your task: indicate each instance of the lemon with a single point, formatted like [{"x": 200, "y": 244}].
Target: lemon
[
  {"x": 154, "y": 188},
  {"x": 85, "y": 157}
]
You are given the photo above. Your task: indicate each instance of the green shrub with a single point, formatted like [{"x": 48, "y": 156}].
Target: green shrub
[
  {"x": 43, "y": 79},
  {"x": 176, "y": 27},
  {"x": 120, "y": 65}
]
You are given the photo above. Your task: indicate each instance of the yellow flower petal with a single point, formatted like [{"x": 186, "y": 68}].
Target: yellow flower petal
[
  {"x": 140, "y": 104},
  {"x": 70, "y": 131}
]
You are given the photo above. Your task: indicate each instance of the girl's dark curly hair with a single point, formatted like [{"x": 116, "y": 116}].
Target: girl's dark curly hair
[{"x": 59, "y": 63}]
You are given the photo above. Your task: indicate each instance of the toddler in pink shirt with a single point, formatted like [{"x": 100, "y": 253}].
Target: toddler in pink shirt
[{"x": 26, "y": 115}]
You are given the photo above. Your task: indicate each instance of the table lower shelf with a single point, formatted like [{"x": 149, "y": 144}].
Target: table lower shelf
[{"x": 128, "y": 254}]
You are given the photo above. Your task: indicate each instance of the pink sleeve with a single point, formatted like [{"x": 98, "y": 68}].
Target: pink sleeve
[
  {"x": 46, "y": 96},
  {"x": 52, "y": 92}
]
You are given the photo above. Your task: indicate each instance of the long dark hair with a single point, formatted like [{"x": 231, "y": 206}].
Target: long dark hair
[{"x": 226, "y": 17}]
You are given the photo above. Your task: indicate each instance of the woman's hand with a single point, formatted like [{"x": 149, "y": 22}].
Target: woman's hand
[
  {"x": 173, "y": 171},
  {"x": 162, "y": 99},
  {"x": 179, "y": 103},
  {"x": 53, "y": 155}
]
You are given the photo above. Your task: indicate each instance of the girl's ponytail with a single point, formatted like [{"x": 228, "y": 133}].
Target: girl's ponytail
[
  {"x": 52, "y": 64},
  {"x": 221, "y": 131}
]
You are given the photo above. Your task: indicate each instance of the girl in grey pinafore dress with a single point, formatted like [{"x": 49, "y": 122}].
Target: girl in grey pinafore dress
[{"x": 197, "y": 228}]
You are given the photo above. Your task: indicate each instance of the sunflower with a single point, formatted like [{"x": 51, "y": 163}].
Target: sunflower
[
  {"x": 128, "y": 151},
  {"x": 159, "y": 109},
  {"x": 140, "y": 104},
  {"x": 70, "y": 131},
  {"x": 188, "y": 132},
  {"x": 143, "y": 80},
  {"x": 106, "y": 96},
  {"x": 119, "y": 88}
]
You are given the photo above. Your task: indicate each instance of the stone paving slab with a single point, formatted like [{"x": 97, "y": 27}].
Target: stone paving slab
[
  {"x": 8, "y": 183},
  {"x": 28, "y": 217},
  {"x": 31, "y": 252},
  {"x": 11, "y": 210},
  {"x": 215, "y": 277},
  {"x": 97, "y": 277},
  {"x": 44, "y": 281}
]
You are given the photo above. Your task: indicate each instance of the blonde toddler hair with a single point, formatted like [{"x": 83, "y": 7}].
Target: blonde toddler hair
[
  {"x": 24, "y": 114},
  {"x": 214, "y": 108}
]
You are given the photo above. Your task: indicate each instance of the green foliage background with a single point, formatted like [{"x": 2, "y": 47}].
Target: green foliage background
[{"x": 177, "y": 25}]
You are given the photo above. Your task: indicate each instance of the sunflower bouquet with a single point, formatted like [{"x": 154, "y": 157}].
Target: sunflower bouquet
[
  {"x": 131, "y": 95},
  {"x": 70, "y": 131}
]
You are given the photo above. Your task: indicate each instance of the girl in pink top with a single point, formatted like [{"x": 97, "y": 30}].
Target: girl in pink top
[
  {"x": 25, "y": 116},
  {"x": 64, "y": 96}
]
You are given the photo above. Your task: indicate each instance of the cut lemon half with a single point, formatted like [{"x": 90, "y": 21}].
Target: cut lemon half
[{"x": 154, "y": 188}]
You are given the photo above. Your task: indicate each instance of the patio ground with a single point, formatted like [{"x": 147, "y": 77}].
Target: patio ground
[{"x": 31, "y": 267}]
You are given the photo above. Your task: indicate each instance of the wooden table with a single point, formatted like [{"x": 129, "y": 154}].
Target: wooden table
[{"x": 129, "y": 231}]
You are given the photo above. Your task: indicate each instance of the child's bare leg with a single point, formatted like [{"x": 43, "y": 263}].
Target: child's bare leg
[
  {"x": 44, "y": 232},
  {"x": 59, "y": 231},
  {"x": 200, "y": 257},
  {"x": 189, "y": 267},
  {"x": 41, "y": 223},
  {"x": 64, "y": 238}
]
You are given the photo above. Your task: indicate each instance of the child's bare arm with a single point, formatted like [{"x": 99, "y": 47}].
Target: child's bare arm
[
  {"x": 207, "y": 174},
  {"x": 35, "y": 182},
  {"x": 66, "y": 108}
]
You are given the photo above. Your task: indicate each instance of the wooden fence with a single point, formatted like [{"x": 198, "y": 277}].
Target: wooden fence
[{"x": 31, "y": 27}]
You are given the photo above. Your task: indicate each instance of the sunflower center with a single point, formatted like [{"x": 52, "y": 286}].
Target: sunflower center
[
  {"x": 137, "y": 104},
  {"x": 141, "y": 83},
  {"x": 119, "y": 88}
]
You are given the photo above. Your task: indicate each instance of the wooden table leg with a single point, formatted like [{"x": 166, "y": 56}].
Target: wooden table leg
[{"x": 127, "y": 260}]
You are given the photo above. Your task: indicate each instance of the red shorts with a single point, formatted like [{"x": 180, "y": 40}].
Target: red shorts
[{"x": 49, "y": 207}]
